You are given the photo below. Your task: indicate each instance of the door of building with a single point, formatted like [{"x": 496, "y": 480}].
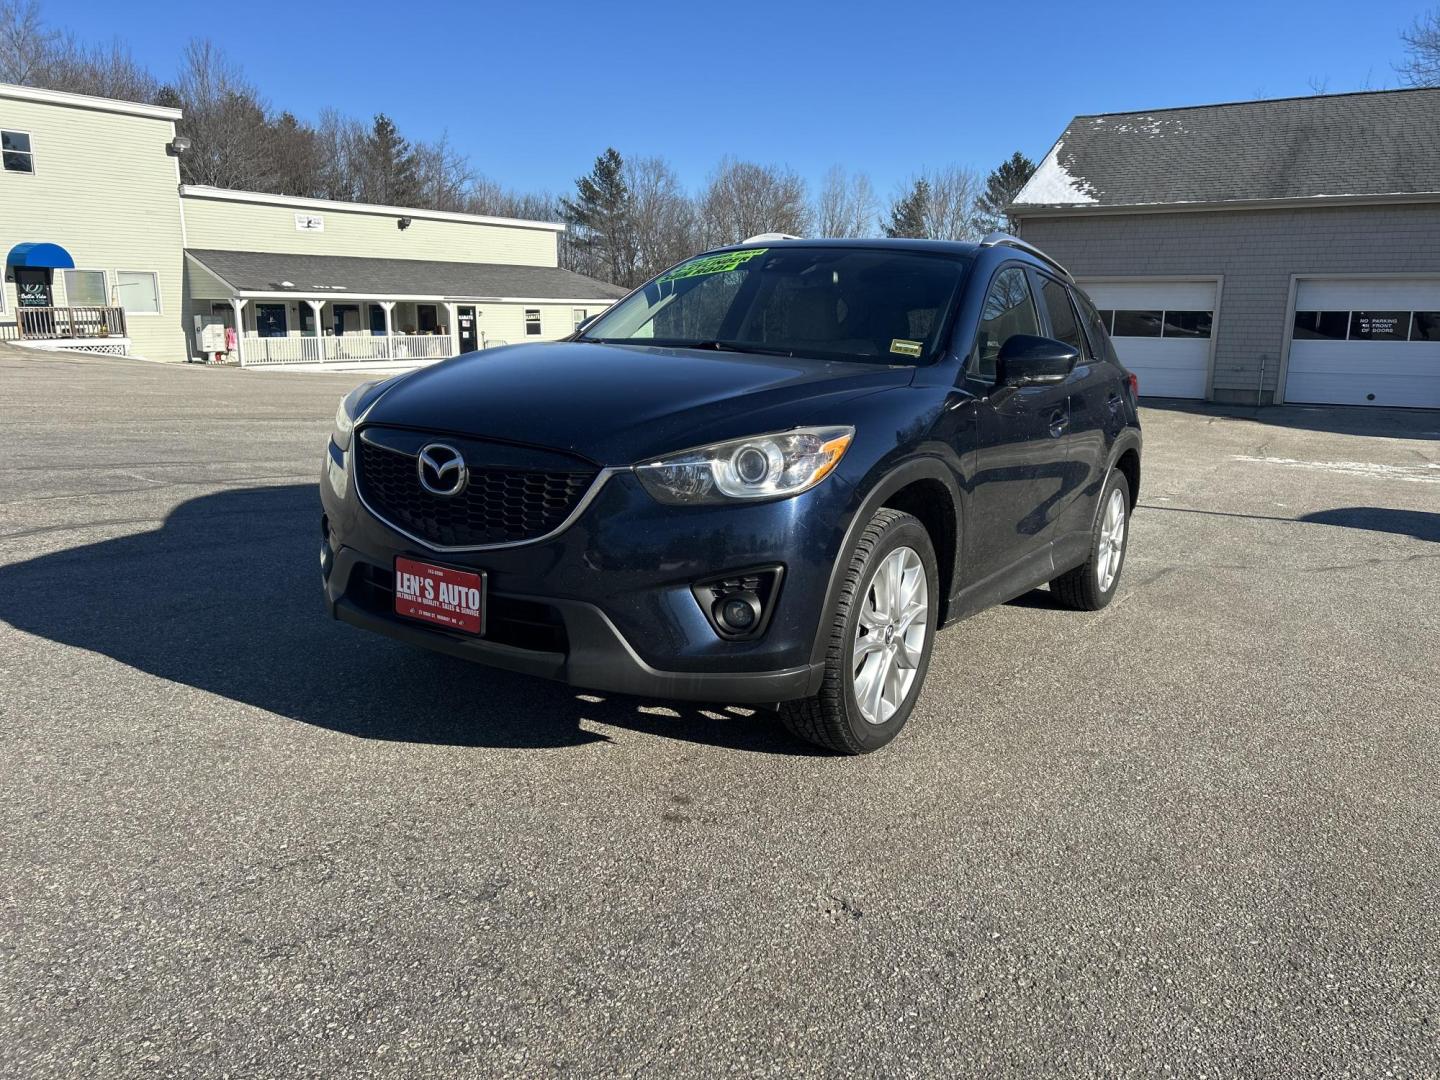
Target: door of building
[
  {"x": 469, "y": 329},
  {"x": 270, "y": 320}
]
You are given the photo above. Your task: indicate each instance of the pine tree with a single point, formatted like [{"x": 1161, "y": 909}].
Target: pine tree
[
  {"x": 392, "y": 171},
  {"x": 907, "y": 215},
  {"x": 600, "y": 214},
  {"x": 1001, "y": 187}
]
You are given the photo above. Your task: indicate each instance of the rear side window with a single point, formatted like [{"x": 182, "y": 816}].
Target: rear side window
[
  {"x": 1096, "y": 329},
  {"x": 1009, "y": 310},
  {"x": 1064, "y": 325}
]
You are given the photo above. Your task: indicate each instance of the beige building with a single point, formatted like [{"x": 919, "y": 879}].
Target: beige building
[{"x": 107, "y": 251}]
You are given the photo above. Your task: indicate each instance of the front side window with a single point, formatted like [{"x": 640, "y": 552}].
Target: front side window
[
  {"x": 1097, "y": 327},
  {"x": 85, "y": 288},
  {"x": 853, "y": 304},
  {"x": 532, "y": 320},
  {"x": 15, "y": 152},
  {"x": 1009, "y": 310},
  {"x": 1064, "y": 325},
  {"x": 138, "y": 292}
]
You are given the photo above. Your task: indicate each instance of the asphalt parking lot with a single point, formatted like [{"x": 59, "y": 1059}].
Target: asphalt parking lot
[{"x": 1195, "y": 834}]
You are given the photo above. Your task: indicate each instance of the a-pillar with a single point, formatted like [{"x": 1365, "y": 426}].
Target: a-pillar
[{"x": 238, "y": 306}]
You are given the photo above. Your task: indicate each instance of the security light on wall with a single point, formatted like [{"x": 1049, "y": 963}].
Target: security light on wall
[
  {"x": 177, "y": 146},
  {"x": 403, "y": 223}
]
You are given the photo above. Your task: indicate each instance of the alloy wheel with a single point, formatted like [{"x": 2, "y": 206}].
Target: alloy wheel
[
  {"x": 1112, "y": 541},
  {"x": 890, "y": 634}
]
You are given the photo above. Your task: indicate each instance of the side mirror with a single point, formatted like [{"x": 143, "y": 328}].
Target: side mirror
[{"x": 1027, "y": 360}]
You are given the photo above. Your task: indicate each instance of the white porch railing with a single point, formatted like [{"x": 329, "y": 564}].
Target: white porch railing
[{"x": 350, "y": 348}]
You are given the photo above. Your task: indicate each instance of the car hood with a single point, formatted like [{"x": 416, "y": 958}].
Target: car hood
[{"x": 621, "y": 404}]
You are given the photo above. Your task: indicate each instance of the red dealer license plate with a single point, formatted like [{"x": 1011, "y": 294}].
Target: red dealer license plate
[{"x": 440, "y": 595}]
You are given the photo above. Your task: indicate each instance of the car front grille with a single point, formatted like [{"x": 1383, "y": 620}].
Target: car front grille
[{"x": 500, "y": 504}]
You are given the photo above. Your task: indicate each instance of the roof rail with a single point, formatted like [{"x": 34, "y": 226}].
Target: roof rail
[{"x": 1000, "y": 239}]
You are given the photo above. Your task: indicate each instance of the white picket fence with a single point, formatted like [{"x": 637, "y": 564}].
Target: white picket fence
[{"x": 350, "y": 348}]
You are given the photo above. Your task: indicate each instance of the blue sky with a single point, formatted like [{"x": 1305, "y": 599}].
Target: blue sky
[{"x": 533, "y": 91}]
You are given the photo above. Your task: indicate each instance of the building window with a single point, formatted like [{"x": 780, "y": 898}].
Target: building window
[
  {"x": 85, "y": 288},
  {"x": 138, "y": 292},
  {"x": 15, "y": 150},
  {"x": 532, "y": 320},
  {"x": 426, "y": 317},
  {"x": 579, "y": 316}
]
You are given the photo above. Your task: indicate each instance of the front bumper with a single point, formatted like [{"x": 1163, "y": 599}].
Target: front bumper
[{"x": 606, "y": 604}]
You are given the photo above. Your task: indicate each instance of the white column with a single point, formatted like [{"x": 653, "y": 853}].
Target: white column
[
  {"x": 238, "y": 306},
  {"x": 454, "y": 324},
  {"x": 315, "y": 306},
  {"x": 388, "y": 306}
]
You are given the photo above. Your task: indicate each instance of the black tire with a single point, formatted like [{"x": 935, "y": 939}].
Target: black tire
[
  {"x": 833, "y": 718},
  {"x": 1080, "y": 588}
]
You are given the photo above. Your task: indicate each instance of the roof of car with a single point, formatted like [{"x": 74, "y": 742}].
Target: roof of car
[{"x": 937, "y": 247}]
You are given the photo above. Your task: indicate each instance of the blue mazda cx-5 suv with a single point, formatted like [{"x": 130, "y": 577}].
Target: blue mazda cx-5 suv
[{"x": 768, "y": 475}]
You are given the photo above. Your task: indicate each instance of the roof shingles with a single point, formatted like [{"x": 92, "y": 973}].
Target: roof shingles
[
  {"x": 323, "y": 275},
  {"x": 1377, "y": 143}
]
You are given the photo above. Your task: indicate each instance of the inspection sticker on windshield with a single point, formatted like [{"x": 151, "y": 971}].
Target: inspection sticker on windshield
[
  {"x": 906, "y": 348},
  {"x": 440, "y": 595},
  {"x": 713, "y": 264}
]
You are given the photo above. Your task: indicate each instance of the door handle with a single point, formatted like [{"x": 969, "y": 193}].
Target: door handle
[{"x": 1059, "y": 421}]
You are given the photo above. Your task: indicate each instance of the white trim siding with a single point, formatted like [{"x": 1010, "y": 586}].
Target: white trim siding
[{"x": 198, "y": 191}]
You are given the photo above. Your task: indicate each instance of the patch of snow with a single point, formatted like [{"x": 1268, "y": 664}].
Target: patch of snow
[{"x": 1053, "y": 185}]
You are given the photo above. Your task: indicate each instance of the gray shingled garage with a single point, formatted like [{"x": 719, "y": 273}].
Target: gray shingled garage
[{"x": 1312, "y": 225}]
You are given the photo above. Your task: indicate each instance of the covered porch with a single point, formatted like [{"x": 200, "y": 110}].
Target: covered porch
[
  {"x": 273, "y": 308},
  {"x": 314, "y": 330}
]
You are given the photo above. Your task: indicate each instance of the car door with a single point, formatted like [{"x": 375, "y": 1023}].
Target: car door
[
  {"x": 1085, "y": 388},
  {"x": 1099, "y": 410},
  {"x": 1020, "y": 453}
]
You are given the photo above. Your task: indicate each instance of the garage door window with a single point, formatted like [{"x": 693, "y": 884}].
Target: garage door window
[
  {"x": 1367, "y": 326},
  {"x": 1425, "y": 326},
  {"x": 1138, "y": 323},
  {"x": 1191, "y": 324},
  {"x": 1322, "y": 325},
  {"x": 1379, "y": 326}
]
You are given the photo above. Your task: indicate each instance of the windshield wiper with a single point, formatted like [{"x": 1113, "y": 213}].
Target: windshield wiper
[{"x": 738, "y": 346}]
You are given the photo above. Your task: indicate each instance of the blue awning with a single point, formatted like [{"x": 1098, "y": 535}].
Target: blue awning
[{"x": 46, "y": 256}]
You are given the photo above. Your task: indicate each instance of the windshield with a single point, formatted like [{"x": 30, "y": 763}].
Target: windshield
[{"x": 870, "y": 305}]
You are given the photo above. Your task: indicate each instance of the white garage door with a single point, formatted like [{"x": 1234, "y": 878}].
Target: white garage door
[
  {"x": 1162, "y": 332},
  {"x": 1366, "y": 342}
]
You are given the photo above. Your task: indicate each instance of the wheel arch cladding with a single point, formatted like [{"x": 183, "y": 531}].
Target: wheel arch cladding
[
  {"x": 930, "y": 501},
  {"x": 1129, "y": 464}
]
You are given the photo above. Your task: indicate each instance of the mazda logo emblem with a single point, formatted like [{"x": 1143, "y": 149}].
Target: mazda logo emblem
[{"x": 442, "y": 470}]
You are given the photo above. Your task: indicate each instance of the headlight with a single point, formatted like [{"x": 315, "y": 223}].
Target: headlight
[
  {"x": 346, "y": 415},
  {"x": 762, "y": 467}
]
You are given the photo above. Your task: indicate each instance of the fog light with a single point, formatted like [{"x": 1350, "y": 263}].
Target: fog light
[
  {"x": 738, "y": 612},
  {"x": 739, "y": 604}
]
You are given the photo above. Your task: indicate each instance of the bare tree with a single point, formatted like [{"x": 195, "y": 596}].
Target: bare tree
[
  {"x": 1422, "y": 47},
  {"x": 951, "y": 212},
  {"x": 27, "y": 48},
  {"x": 743, "y": 199},
  {"x": 662, "y": 217},
  {"x": 445, "y": 174},
  {"x": 846, "y": 205},
  {"x": 225, "y": 121}
]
